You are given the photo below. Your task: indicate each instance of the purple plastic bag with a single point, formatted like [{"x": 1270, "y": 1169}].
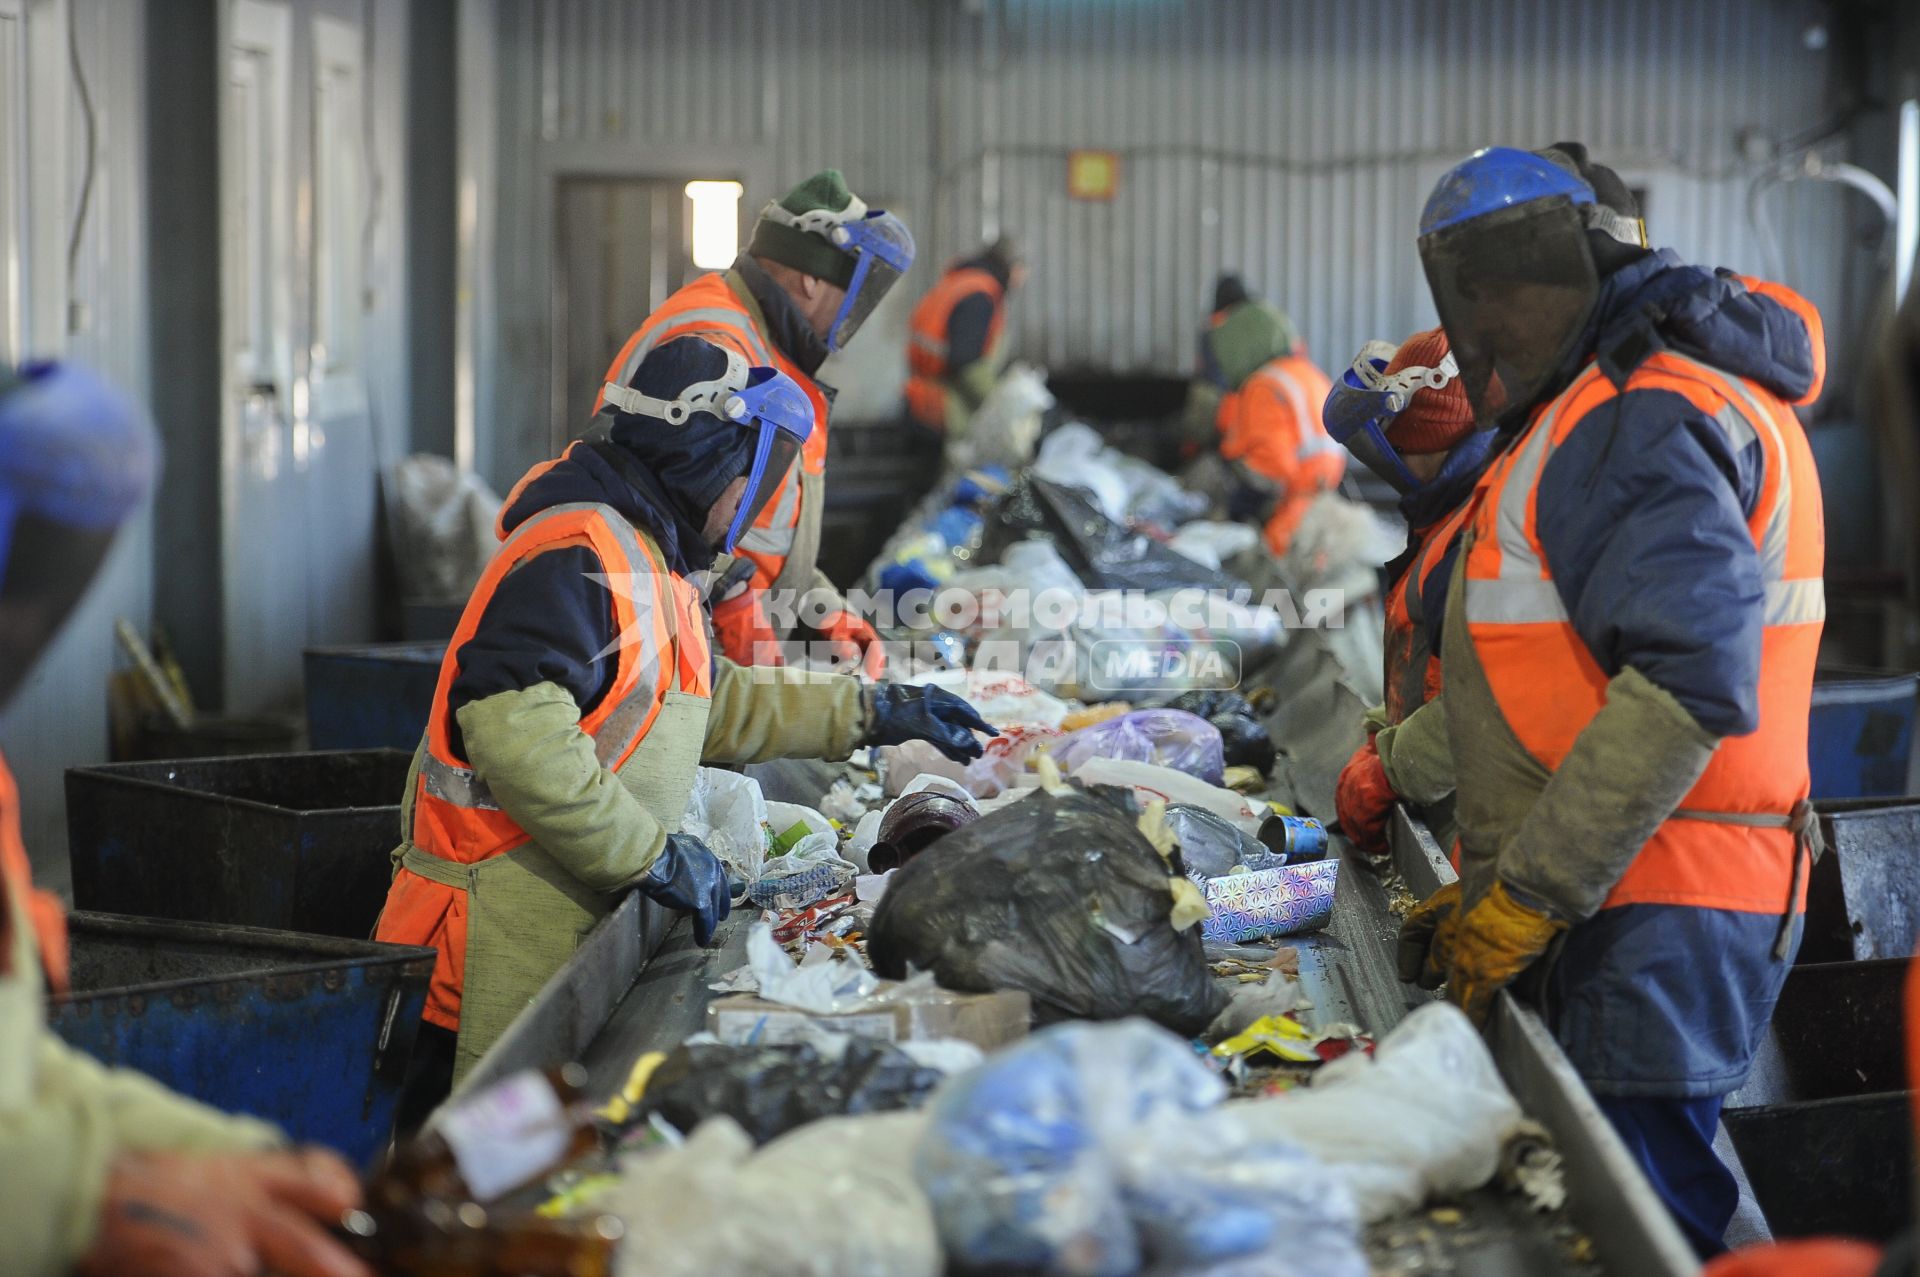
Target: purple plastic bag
[{"x": 1169, "y": 737}]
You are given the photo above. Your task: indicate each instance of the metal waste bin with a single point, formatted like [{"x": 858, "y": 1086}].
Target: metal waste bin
[
  {"x": 310, "y": 1032},
  {"x": 297, "y": 842},
  {"x": 371, "y": 697},
  {"x": 1823, "y": 1125},
  {"x": 1860, "y": 732},
  {"x": 1863, "y": 897}
]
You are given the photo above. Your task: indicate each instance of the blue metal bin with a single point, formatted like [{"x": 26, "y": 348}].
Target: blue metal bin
[
  {"x": 310, "y": 1032},
  {"x": 294, "y": 842},
  {"x": 371, "y": 697},
  {"x": 1860, "y": 732}
]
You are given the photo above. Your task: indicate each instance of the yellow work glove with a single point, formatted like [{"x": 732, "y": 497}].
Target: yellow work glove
[
  {"x": 1489, "y": 945},
  {"x": 1422, "y": 956}
]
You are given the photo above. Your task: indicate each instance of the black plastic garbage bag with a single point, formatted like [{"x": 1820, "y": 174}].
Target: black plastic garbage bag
[
  {"x": 1244, "y": 740},
  {"x": 1102, "y": 553},
  {"x": 1059, "y": 896},
  {"x": 772, "y": 1089}
]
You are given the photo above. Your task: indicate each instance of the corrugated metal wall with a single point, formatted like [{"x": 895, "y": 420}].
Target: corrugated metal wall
[
  {"x": 1294, "y": 141},
  {"x": 1297, "y": 142},
  {"x": 770, "y": 89}
]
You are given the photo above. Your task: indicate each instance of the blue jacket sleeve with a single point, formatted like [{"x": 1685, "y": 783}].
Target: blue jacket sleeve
[
  {"x": 967, "y": 329},
  {"x": 548, "y": 622},
  {"x": 1642, "y": 513},
  {"x": 1433, "y": 594}
]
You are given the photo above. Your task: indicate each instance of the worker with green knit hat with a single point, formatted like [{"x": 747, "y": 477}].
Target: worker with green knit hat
[
  {"x": 818, "y": 263},
  {"x": 1269, "y": 414}
]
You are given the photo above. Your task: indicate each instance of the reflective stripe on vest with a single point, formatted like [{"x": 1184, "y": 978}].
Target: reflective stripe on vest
[
  {"x": 455, "y": 815},
  {"x": 928, "y": 329},
  {"x": 1729, "y": 847},
  {"x": 1314, "y": 438}
]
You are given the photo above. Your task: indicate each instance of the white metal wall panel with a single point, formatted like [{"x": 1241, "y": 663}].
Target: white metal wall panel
[
  {"x": 59, "y": 717},
  {"x": 1295, "y": 141}
]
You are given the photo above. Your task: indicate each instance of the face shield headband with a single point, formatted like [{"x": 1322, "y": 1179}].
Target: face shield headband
[
  {"x": 1367, "y": 399},
  {"x": 880, "y": 245},
  {"x": 759, "y": 398}
]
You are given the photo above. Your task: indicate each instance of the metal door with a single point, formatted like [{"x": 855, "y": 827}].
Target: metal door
[
  {"x": 298, "y": 461},
  {"x": 621, "y": 245},
  {"x": 265, "y": 445}
]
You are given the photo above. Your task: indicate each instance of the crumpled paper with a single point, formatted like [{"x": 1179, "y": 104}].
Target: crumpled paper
[{"x": 822, "y": 987}]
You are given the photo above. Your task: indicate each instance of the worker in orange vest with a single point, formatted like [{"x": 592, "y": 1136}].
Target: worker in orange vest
[
  {"x": 1628, "y": 650},
  {"x": 103, "y": 1172},
  {"x": 580, "y": 693},
  {"x": 1271, "y": 398},
  {"x": 819, "y": 262},
  {"x": 954, "y": 348},
  {"x": 1404, "y": 414}
]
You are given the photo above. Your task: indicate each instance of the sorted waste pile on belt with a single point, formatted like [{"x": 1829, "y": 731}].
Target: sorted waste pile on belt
[{"x": 1097, "y": 1150}]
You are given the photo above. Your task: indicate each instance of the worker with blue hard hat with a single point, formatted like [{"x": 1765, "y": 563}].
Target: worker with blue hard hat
[
  {"x": 104, "y": 1172},
  {"x": 1627, "y": 648}
]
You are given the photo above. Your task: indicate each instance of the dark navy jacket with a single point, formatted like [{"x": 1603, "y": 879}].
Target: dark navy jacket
[
  {"x": 972, "y": 318},
  {"x": 550, "y": 620},
  {"x": 1643, "y": 518}
]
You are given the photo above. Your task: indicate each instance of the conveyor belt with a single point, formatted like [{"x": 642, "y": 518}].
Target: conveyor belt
[{"x": 613, "y": 1003}]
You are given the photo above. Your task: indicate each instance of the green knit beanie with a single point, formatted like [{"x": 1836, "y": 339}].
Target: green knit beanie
[
  {"x": 805, "y": 251},
  {"x": 1252, "y": 334}
]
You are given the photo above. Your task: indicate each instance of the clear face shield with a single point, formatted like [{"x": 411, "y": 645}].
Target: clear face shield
[
  {"x": 1365, "y": 402},
  {"x": 758, "y": 398},
  {"x": 1514, "y": 289},
  {"x": 882, "y": 249}
]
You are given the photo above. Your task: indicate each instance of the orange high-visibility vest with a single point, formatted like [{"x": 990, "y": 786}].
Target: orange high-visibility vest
[
  {"x": 455, "y": 817},
  {"x": 927, "y": 347},
  {"x": 1271, "y": 424},
  {"x": 42, "y": 909},
  {"x": 1412, "y": 674},
  {"x": 1549, "y": 687},
  {"x": 710, "y": 308}
]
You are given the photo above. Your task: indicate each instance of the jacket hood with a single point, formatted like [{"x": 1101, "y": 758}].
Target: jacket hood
[
  {"x": 1763, "y": 332},
  {"x": 586, "y": 473},
  {"x": 786, "y": 326}
]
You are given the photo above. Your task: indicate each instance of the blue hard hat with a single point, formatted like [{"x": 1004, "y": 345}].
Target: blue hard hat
[{"x": 1495, "y": 178}]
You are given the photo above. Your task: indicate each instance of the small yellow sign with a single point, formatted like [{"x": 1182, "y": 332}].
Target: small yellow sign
[{"x": 1092, "y": 175}]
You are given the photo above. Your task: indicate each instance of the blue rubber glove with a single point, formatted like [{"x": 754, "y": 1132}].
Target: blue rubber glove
[
  {"x": 687, "y": 876},
  {"x": 898, "y": 713}
]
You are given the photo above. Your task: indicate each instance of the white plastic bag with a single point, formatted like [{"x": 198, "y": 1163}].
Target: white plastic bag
[
  {"x": 443, "y": 518},
  {"x": 822, "y": 987},
  {"x": 836, "y": 1198},
  {"x": 1211, "y": 544},
  {"x": 1426, "y": 1116},
  {"x": 1005, "y": 427},
  {"x": 1097, "y": 1149},
  {"x": 727, "y": 811}
]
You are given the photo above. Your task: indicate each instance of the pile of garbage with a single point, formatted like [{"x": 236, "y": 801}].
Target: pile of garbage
[{"x": 1088, "y": 1149}]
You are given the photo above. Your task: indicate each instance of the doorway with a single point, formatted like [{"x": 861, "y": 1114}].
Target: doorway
[{"x": 622, "y": 245}]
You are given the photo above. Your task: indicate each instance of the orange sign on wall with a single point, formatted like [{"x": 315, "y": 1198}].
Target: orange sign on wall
[{"x": 1092, "y": 175}]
